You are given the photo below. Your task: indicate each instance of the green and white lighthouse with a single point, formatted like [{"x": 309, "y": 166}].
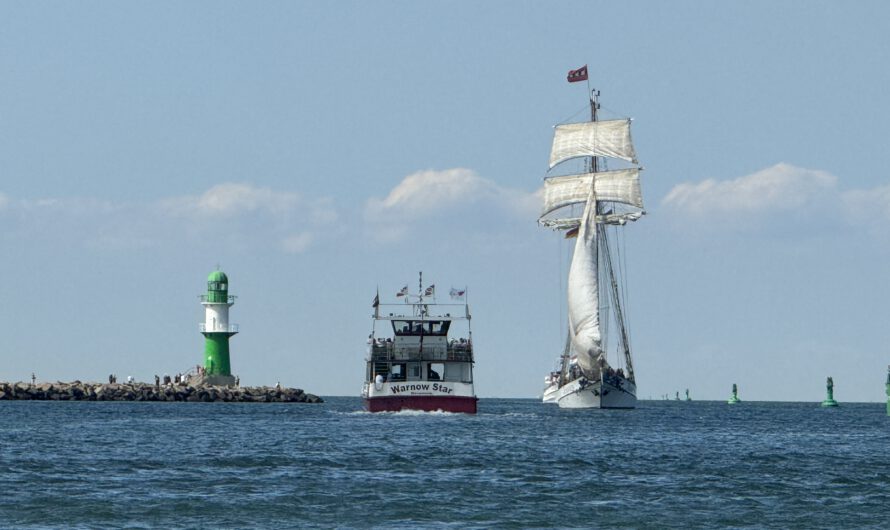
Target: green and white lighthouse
[{"x": 217, "y": 330}]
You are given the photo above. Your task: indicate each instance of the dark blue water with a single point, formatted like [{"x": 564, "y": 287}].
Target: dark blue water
[{"x": 516, "y": 464}]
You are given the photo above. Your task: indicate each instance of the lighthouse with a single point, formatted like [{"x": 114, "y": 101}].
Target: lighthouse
[{"x": 217, "y": 330}]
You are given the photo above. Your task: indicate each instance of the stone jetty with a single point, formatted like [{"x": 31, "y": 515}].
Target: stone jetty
[{"x": 77, "y": 391}]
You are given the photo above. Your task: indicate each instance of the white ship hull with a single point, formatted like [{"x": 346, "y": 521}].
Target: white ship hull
[
  {"x": 550, "y": 393},
  {"x": 609, "y": 393}
]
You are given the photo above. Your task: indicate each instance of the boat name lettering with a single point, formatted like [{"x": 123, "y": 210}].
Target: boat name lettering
[{"x": 422, "y": 387}]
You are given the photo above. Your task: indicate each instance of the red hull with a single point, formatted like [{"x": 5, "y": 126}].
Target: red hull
[{"x": 424, "y": 403}]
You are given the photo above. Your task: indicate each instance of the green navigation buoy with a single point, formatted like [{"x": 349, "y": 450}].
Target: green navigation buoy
[
  {"x": 687, "y": 395},
  {"x": 217, "y": 330},
  {"x": 888, "y": 390},
  {"x": 829, "y": 394},
  {"x": 734, "y": 399}
]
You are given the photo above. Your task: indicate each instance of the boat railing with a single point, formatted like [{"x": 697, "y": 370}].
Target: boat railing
[{"x": 386, "y": 351}]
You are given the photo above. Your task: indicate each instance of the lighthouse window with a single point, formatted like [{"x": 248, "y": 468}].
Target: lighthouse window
[{"x": 222, "y": 287}]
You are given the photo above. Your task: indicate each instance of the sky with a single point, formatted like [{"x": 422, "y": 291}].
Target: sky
[{"x": 318, "y": 151}]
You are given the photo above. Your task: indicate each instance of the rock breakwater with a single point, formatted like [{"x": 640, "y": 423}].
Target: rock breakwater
[{"x": 78, "y": 391}]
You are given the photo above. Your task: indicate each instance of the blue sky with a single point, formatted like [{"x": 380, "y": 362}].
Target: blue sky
[{"x": 316, "y": 151}]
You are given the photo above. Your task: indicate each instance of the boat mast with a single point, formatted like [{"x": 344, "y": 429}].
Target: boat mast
[{"x": 420, "y": 309}]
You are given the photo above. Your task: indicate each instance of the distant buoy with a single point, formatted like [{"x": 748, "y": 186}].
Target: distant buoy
[
  {"x": 734, "y": 399},
  {"x": 687, "y": 395},
  {"x": 829, "y": 394}
]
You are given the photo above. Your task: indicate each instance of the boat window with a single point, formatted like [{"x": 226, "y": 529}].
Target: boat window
[
  {"x": 439, "y": 327},
  {"x": 413, "y": 371},
  {"x": 435, "y": 371},
  {"x": 397, "y": 372},
  {"x": 458, "y": 372},
  {"x": 420, "y": 327}
]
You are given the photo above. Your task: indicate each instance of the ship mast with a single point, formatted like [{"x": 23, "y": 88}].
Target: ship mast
[{"x": 594, "y": 107}]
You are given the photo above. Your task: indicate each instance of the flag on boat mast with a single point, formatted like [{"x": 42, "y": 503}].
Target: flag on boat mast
[
  {"x": 402, "y": 292},
  {"x": 457, "y": 294},
  {"x": 577, "y": 75},
  {"x": 430, "y": 291}
]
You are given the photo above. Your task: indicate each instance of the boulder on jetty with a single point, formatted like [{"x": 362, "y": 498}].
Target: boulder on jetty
[{"x": 77, "y": 391}]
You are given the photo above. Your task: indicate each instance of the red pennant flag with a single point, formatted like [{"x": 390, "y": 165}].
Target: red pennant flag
[{"x": 577, "y": 75}]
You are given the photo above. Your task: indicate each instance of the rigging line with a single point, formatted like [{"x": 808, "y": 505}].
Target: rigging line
[
  {"x": 559, "y": 252},
  {"x": 577, "y": 112},
  {"x": 624, "y": 278},
  {"x": 615, "y": 114},
  {"x": 620, "y": 240}
]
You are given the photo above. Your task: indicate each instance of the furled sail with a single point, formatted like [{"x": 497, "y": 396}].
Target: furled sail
[
  {"x": 570, "y": 223},
  {"x": 621, "y": 186},
  {"x": 583, "y": 295},
  {"x": 594, "y": 138}
]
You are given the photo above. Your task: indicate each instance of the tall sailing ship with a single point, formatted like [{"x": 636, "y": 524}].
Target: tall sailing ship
[
  {"x": 416, "y": 361},
  {"x": 591, "y": 203}
]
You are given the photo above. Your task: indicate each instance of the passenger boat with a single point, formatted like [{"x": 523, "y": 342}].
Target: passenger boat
[{"x": 420, "y": 354}]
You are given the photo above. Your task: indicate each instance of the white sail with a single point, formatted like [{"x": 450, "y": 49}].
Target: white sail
[
  {"x": 594, "y": 138},
  {"x": 621, "y": 186},
  {"x": 583, "y": 295}
]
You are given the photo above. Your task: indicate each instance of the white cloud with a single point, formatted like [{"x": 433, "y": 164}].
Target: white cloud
[
  {"x": 866, "y": 205},
  {"x": 246, "y": 216},
  {"x": 428, "y": 192},
  {"x": 780, "y": 187},
  {"x": 231, "y": 199},
  {"x": 70, "y": 206},
  {"x": 297, "y": 243}
]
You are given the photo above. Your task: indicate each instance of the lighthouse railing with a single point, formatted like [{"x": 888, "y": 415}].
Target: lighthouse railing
[
  {"x": 211, "y": 299},
  {"x": 231, "y": 328}
]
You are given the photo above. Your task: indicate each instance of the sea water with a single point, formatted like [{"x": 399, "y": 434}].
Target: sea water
[{"x": 515, "y": 464}]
